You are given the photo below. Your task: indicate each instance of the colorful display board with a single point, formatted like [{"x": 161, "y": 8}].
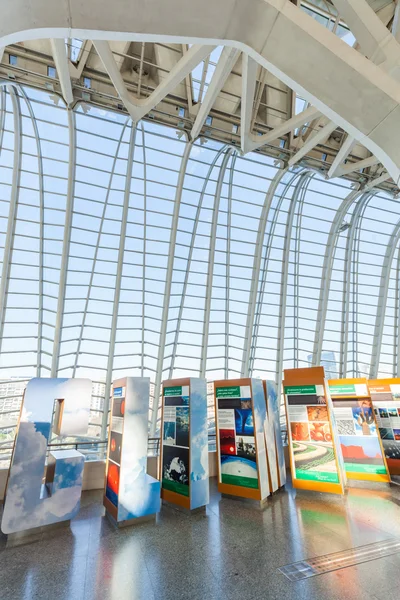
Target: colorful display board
[
  {"x": 385, "y": 396},
  {"x": 240, "y": 417},
  {"x": 184, "y": 448},
  {"x": 130, "y": 493},
  {"x": 315, "y": 458},
  {"x": 273, "y": 438},
  {"x": 356, "y": 426},
  {"x": 48, "y": 405}
]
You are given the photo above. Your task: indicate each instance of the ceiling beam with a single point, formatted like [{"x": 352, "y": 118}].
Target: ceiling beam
[
  {"x": 256, "y": 141},
  {"x": 366, "y": 104},
  {"x": 307, "y": 132},
  {"x": 137, "y": 107},
  {"x": 396, "y": 22},
  {"x": 249, "y": 78},
  {"x": 260, "y": 90},
  {"x": 320, "y": 137},
  {"x": 344, "y": 151},
  {"x": 361, "y": 164},
  {"x": 189, "y": 85},
  {"x": 378, "y": 180},
  {"x": 386, "y": 13},
  {"x": 373, "y": 37},
  {"x": 224, "y": 67},
  {"x": 61, "y": 61},
  {"x": 76, "y": 70}
]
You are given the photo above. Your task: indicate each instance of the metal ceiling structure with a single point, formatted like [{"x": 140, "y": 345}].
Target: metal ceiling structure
[
  {"x": 217, "y": 92},
  {"x": 171, "y": 209}
]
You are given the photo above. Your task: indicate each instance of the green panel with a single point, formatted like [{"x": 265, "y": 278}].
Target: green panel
[
  {"x": 173, "y": 391},
  {"x": 174, "y": 486},
  {"x": 357, "y": 468},
  {"x": 291, "y": 390},
  {"x": 248, "y": 482},
  {"x": 317, "y": 476},
  {"x": 346, "y": 388},
  {"x": 228, "y": 392}
]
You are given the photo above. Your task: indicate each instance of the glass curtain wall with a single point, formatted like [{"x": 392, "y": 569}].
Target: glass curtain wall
[{"x": 133, "y": 251}]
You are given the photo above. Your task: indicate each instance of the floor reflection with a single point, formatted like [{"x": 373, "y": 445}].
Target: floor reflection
[{"x": 231, "y": 552}]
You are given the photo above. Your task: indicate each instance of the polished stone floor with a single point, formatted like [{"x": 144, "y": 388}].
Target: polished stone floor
[{"x": 230, "y": 553}]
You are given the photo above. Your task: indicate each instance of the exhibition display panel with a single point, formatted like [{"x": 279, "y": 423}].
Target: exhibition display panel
[
  {"x": 315, "y": 459},
  {"x": 49, "y": 406},
  {"x": 385, "y": 396},
  {"x": 130, "y": 493},
  {"x": 337, "y": 429},
  {"x": 184, "y": 447},
  {"x": 357, "y": 429},
  {"x": 240, "y": 417},
  {"x": 273, "y": 438}
]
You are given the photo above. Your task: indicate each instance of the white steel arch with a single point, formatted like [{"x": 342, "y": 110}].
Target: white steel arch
[
  {"x": 327, "y": 273},
  {"x": 167, "y": 292},
  {"x": 271, "y": 219},
  {"x": 189, "y": 259},
  {"x": 256, "y": 270},
  {"x": 66, "y": 241},
  {"x": 350, "y": 287},
  {"x": 383, "y": 296},
  {"x": 210, "y": 269},
  {"x": 287, "y": 181},
  {"x": 11, "y": 221},
  {"x": 301, "y": 188}
]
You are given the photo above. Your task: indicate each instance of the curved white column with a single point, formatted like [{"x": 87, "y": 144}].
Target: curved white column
[
  {"x": 118, "y": 278},
  {"x": 12, "y": 210},
  {"x": 350, "y": 284},
  {"x": 327, "y": 273},
  {"x": 257, "y": 270},
  {"x": 41, "y": 230},
  {"x": 301, "y": 188},
  {"x": 261, "y": 274},
  {"x": 382, "y": 301},
  {"x": 167, "y": 290},
  {"x": 189, "y": 260},
  {"x": 66, "y": 243},
  {"x": 210, "y": 268}
]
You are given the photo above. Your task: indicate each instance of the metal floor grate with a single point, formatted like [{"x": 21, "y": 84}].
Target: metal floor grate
[{"x": 339, "y": 560}]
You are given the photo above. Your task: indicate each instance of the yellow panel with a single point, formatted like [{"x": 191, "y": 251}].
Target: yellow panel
[
  {"x": 318, "y": 486},
  {"x": 369, "y": 477}
]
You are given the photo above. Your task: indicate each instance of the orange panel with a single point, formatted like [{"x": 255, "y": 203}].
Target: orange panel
[
  {"x": 174, "y": 498},
  {"x": 347, "y": 380},
  {"x": 318, "y": 486},
  {"x": 110, "y": 508},
  {"x": 232, "y": 382},
  {"x": 308, "y": 376},
  {"x": 393, "y": 466},
  {"x": 383, "y": 382},
  {"x": 176, "y": 382},
  {"x": 240, "y": 492}
]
